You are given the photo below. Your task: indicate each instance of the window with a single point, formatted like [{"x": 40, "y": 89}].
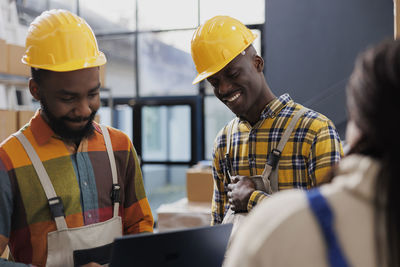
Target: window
[
  {"x": 29, "y": 10},
  {"x": 166, "y": 15},
  {"x": 106, "y": 16},
  {"x": 248, "y": 12},
  {"x": 165, "y": 64},
  {"x": 166, "y": 133},
  {"x": 120, "y": 67},
  {"x": 216, "y": 116}
]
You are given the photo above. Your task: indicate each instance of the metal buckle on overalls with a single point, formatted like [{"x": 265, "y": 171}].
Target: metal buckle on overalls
[
  {"x": 115, "y": 196},
  {"x": 273, "y": 158},
  {"x": 228, "y": 167},
  {"x": 56, "y": 207}
]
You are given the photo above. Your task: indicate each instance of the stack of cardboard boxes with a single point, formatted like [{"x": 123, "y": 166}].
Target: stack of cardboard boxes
[
  {"x": 10, "y": 59},
  {"x": 3, "y": 56},
  {"x": 12, "y": 120},
  {"x": 193, "y": 211}
]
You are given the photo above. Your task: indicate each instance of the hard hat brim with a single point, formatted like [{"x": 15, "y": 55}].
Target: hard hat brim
[{"x": 96, "y": 61}]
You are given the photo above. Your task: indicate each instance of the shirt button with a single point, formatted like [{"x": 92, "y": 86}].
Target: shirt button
[
  {"x": 85, "y": 183},
  {"x": 89, "y": 215}
]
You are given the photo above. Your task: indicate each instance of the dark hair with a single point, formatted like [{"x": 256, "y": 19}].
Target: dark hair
[
  {"x": 38, "y": 75},
  {"x": 373, "y": 95}
]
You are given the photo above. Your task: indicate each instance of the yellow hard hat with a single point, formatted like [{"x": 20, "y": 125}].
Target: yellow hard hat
[
  {"x": 216, "y": 43},
  {"x": 61, "y": 41}
]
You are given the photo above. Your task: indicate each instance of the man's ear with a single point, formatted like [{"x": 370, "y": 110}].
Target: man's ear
[
  {"x": 34, "y": 89},
  {"x": 258, "y": 63}
]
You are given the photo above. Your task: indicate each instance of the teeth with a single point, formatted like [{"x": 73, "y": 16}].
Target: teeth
[{"x": 234, "y": 97}]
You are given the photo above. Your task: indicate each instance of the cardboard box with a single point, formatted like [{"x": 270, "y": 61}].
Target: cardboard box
[
  {"x": 183, "y": 214},
  {"x": 5, "y": 253},
  {"x": 15, "y": 66},
  {"x": 23, "y": 117},
  {"x": 3, "y": 56},
  {"x": 8, "y": 123},
  {"x": 199, "y": 184}
]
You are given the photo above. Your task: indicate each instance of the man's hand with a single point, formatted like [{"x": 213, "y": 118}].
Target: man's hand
[{"x": 239, "y": 192}]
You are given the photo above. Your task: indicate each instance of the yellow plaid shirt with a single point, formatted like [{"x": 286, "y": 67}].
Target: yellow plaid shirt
[{"x": 313, "y": 147}]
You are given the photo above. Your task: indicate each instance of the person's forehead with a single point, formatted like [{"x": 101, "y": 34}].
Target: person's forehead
[
  {"x": 235, "y": 63},
  {"x": 72, "y": 79}
]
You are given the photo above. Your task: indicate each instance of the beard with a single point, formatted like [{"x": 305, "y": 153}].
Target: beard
[{"x": 60, "y": 128}]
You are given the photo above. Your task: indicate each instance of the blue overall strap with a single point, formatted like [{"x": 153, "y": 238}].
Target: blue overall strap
[{"x": 324, "y": 216}]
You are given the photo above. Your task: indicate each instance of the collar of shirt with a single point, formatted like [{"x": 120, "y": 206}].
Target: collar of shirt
[
  {"x": 42, "y": 131},
  {"x": 273, "y": 108}
]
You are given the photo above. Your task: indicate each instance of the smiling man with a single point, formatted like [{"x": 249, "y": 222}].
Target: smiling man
[
  {"x": 59, "y": 95},
  {"x": 66, "y": 182},
  {"x": 273, "y": 139}
]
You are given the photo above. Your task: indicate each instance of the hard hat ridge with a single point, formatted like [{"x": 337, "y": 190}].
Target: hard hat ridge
[
  {"x": 216, "y": 43},
  {"x": 59, "y": 40}
]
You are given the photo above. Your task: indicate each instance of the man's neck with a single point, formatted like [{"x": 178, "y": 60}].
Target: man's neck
[{"x": 264, "y": 101}]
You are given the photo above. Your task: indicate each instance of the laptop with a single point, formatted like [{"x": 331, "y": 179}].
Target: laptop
[{"x": 201, "y": 246}]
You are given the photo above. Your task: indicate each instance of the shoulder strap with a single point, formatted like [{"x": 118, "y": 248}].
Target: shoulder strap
[
  {"x": 290, "y": 128},
  {"x": 55, "y": 203},
  {"x": 116, "y": 187},
  {"x": 274, "y": 156},
  {"x": 325, "y": 218},
  {"x": 56, "y": 206},
  {"x": 228, "y": 162}
]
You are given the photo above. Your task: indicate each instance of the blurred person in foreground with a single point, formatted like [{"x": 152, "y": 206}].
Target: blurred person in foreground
[
  {"x": 66, "y": 182},
  {"x": 354, "y": 221},
  {"x": 273, "y": 143}
]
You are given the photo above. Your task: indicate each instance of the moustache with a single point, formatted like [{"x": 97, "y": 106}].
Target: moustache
[{"x": 78, "y": 119}]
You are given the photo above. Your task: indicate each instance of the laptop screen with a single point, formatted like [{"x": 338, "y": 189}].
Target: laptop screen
[{"x": 202, "y": 246}]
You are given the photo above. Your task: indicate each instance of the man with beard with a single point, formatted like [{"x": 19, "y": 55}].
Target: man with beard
[
  {"x": 66, "y": 182},
  {"x": 271, "y": 145}
]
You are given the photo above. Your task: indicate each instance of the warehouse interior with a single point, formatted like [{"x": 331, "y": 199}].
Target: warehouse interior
[{"x": 309, "y": 48}]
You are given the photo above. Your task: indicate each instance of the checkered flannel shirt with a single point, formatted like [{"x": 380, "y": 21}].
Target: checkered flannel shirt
[{"x": 313, "y": 147}]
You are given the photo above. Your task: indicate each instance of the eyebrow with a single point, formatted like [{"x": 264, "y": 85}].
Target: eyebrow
[{"x": 65, "y": 92}]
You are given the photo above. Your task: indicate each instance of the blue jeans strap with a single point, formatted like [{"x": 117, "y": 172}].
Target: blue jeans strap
[{"x": 325, "y": 218}]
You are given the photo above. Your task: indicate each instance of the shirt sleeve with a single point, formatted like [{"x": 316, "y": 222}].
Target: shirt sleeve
[
  {"x": 255, "y": 198},
  {"x": 6, "y": 209},
  {"x": 6, "y": 201},
  {"x": 220, "y": 198},
  {"x": 326, "y": 151},
  {"x": 137, "y": 216},
  {"x": 219, "y": 204}
]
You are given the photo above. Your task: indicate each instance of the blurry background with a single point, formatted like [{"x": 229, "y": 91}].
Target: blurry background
[{"x": 309, "y": 48}]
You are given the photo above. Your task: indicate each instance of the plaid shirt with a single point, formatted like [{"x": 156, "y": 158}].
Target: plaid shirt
[
  {"x": 313, "y": 147},
  {"x": 81, "y": 176}
]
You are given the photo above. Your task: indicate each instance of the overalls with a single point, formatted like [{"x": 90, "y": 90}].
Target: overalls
[
  {"x": 323, "y": 213},
  {"x": 62, "y": 242},
  {"x": 268, "y": 180}
]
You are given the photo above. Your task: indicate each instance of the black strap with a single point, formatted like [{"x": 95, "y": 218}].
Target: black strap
[
  {"x": 56, "y": 207},
  {"x": 273, "y": 158},
  {"x": 115, "y": 193}
]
